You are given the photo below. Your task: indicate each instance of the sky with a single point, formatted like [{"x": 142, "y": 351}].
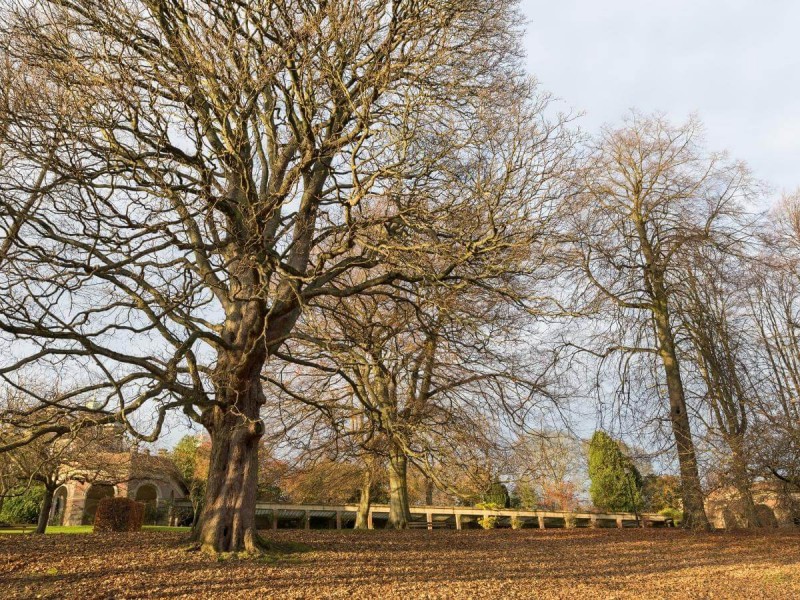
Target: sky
[{"x": 734, "y": 63}]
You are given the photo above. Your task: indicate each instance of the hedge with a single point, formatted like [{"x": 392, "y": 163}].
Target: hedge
[{"x": 118, "y": 514}]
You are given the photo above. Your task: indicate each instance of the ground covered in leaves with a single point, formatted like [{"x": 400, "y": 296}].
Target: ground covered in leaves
[{"x": 630, "y": 563}]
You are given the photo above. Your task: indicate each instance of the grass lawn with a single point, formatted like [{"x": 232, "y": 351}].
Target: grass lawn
[
  {"x": 559, "y": 563},
  {"x": 53, "y": 529}
]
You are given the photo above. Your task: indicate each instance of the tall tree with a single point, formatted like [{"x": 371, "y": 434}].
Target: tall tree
[
  {"x": 714, "y": 311},
  {"x": 181, "y": 177},
  {"x": 650, "y": 195},
  {"x": 774, "y": 303}
]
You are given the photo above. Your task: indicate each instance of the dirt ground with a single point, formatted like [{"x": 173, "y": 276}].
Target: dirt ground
[{"x": 581, "y": 563}]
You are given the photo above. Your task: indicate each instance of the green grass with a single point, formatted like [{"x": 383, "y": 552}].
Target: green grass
[
  {"x": 164, "y": 528},
  {"x": 83, "y": 529}
]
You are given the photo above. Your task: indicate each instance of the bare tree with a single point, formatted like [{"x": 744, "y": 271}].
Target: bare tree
[
  {"x": 774, "y": 304},
  {"x": 650, "y": 196},
  {"x": 549, "y": 469},
  {"x": 424, "y": 356},
  {"x": 181, "y": 177},
  {"x": 714, "y": 310}
]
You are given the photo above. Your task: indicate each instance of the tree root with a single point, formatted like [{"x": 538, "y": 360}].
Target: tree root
[{"x": 255, "y": 548}]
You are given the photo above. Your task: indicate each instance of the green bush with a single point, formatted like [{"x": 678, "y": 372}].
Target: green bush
[
  {"x": 490, "y": 521},
  {"x": 660, "y": 492},
  {"x": 517, "y": 522},
  {"x": 118, "y": 514},
  {"x": 616, "y": 484},
  {"x": 496, "y": 494},
  {"x": 672, "y": 513},
  {"x": 22, "y": 505},
  {"x": 525, "y": 496}
]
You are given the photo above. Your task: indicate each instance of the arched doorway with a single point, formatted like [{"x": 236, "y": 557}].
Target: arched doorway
[
  {"x": 59, "y": 506},
  {"x": 96, "y": 492},
  {"x": 147, "y": 494}
]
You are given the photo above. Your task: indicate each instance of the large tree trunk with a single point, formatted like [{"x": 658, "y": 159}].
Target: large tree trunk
[
  {"x": 399, "y": 512},
  {"x": 365, "y": 499},
  {"x": 741, "y": 481},
  {"x": 694, "y": 514},
  {"x": 227, "y": 520},
  {"x": 44, "y": 510}
]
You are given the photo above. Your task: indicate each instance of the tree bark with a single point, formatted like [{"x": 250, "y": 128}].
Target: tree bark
[
  {"x": 428, "y": 491},
  {"x": 227, "y": 518},
  {"x": 399, "y": 512},
  {"x": 694, "y": 514},
  {"x": 44, "y": 510},
  {"x": 364, "y": 500},
  {"x": 741, "y": 481}
]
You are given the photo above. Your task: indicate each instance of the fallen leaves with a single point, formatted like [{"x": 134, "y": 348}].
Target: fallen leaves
[{"x": 587, "y": 563}]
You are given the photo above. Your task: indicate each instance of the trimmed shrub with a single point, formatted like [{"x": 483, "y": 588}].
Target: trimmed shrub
[
  {"x": 517, "y": 522},
  {"x": 118, "y": 514}
]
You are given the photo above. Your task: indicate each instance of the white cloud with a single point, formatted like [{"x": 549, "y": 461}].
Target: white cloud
[{"x": 736, "y": 63}]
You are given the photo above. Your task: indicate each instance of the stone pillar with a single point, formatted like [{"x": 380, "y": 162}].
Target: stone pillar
[
  {"x": 458, "y": 522},
  {"x": 338, "y": 519},
  {"x": 619, "y": 523},
  {"x": 429, "y": 517},
  {"x": 306, "y": 521},
  {"x": 541, "y": 522},
  {"x": 76, "y": 501},
  {"x": 369, "y": 520},
  {"x": 593, "y": 522},
  {"x": 274, "y": 520}
]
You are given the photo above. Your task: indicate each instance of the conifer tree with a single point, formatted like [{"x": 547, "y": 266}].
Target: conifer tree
[{"x": 616, "y": 484}]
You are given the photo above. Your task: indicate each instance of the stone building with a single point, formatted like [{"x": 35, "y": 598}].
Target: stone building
[
  {"x": 776, "y": 506},
  {"x": 151, "y": 479}
]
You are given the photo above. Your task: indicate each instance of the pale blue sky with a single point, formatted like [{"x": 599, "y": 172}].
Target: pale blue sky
[{"x": 736, "y": 63}]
